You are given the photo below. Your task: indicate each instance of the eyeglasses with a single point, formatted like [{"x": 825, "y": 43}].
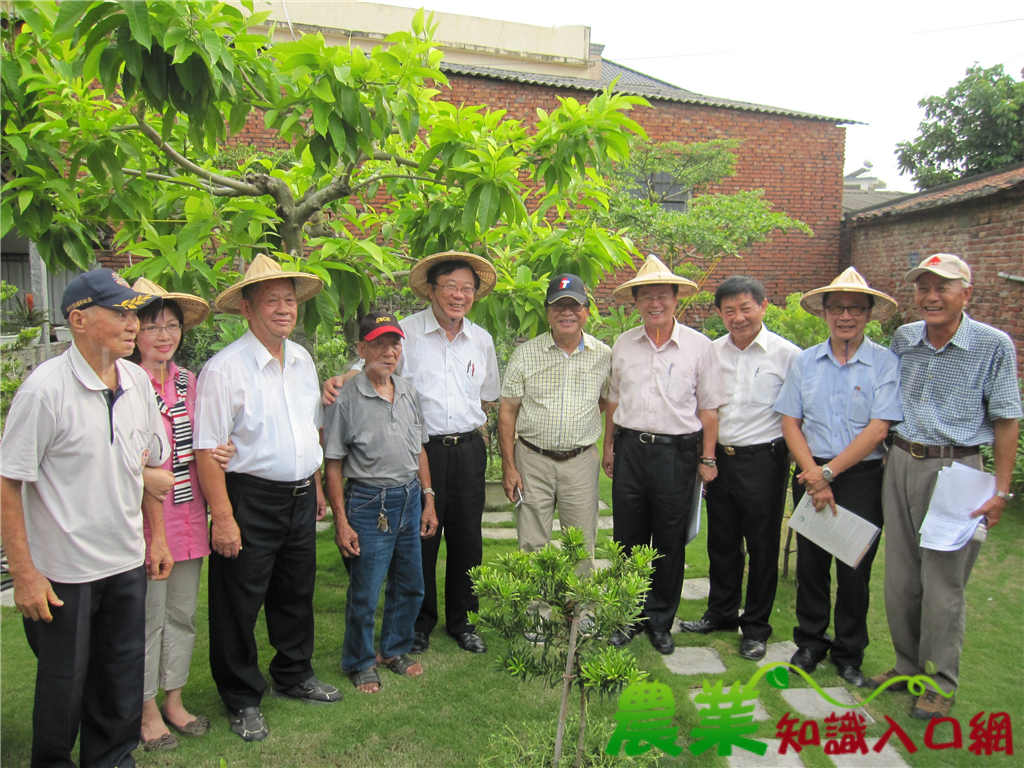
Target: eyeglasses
[
  {"x": 154, "y": 330},
  {"x": 573, "y": 307},
  {"x": 855, "y": 310},
  {"x": 450, "y": 289},
  {"x": 660, "y": 298}
]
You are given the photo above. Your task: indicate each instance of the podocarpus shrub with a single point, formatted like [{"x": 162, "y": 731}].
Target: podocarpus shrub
[{"x": 555, "y": 623}]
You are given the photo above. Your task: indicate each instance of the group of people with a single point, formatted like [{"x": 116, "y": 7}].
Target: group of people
[{"x": 109, "y": 468}]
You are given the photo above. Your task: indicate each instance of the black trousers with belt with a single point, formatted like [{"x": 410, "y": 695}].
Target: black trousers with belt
[
  {"x": 652, "y": 489},
  {"x": 745, "y": 503},
  {"x": 859, "y": 489},
  {"x": 457, "y": 477},
  {"x": 91, "y": 667},
  {"x": 275, "y": 569}
]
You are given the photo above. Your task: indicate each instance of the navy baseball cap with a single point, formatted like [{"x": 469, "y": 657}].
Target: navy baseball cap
[
  {"x": 377, "y": 323},
  {"x": 572, "y": 286},
  {"x": 103, "y": 288}
]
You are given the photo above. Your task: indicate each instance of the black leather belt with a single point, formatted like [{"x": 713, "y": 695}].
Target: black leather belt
[
  {"x": 556, "y": 455},
  {"x": 740, "y": 450},
  {"x": 296, "y": 488},
  {"x": 653, "y": 438},
  {"x": 450, "y": 440},
  {"x": 922, "y": 451}
]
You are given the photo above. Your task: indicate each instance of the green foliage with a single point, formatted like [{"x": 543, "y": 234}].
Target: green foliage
[
  {"x": 609, "y": 327},
  {"x": 141, "y": 155},
  {"x": 228, "y": 328},
  {"x": 331, "y": 356},
  {"x": 12, "y": 372},
  {"x": 804, "y": 329},
  {"x": 977, "y": 126},
  {"x": 533, "y": 746},
  {"x": 1017, "y": 478}
]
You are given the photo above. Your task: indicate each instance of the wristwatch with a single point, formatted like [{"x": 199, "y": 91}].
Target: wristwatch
[
  {"x": 708, "y": 462},
  {"x": 826, "y": 474},
  {"x": 1004, "y": 495},
  {"x": 430, "y": 491}
]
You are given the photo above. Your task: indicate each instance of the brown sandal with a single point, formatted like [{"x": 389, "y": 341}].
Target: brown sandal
[
  {"x": 163, "y": 743},
  {"x": 200, "y": 726}
]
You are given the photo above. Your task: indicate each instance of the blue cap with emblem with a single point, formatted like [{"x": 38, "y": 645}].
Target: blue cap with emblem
[
  {"x": 103, "y": 288},
  {"x": 570, "y": 286}
]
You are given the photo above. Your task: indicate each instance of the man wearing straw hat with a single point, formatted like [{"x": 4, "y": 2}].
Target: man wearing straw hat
[
  {"x": 959, "y": 385},
  {"x": 837, "y": 405},
  {"x": 452, "y": 364},
  {"x": 661, "y": 425},
  {"x": 261, "y": 393},
  {"x": 80, "y": 433}
]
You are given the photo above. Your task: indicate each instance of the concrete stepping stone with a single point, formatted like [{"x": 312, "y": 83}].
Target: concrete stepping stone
[
  {"x": 500, "y": 533},
  {"x": 760, "y": 715},
  {"x": 809, "y": 703},
  {"x": 695, "y": 661},
  {"x": 696, "y": 589},
  {"x": 323, "y": 526},
  {"x": 778, "y": 652},
  {"x": 491, "y": 518},
  {"x": 7, "y": 598},
  {"x": 740, "y": 758},
  {"x": 889, "y": 757},
  {"x": 601, "y": 506}
]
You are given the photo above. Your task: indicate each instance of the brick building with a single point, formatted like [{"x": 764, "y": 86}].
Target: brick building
[{"x": 980, "y": 219}]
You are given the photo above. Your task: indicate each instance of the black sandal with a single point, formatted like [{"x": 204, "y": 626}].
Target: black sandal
[{"x": 366, "y": 676}]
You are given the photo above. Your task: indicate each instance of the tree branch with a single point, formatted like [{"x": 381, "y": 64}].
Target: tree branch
[
  {"x": 218, "y": 191},
  {"x": 394, "y": 158},
  {"x": 186, "y": 164},
  {"x": 373, "y": 179}
]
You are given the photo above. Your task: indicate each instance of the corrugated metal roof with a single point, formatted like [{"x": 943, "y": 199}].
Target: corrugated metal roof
[
  {"x": 632, "y": 82},
  {"x": 981, "y": 185}
]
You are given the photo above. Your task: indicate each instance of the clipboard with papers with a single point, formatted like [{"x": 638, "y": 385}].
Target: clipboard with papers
[{"x": 846, "y": 536}]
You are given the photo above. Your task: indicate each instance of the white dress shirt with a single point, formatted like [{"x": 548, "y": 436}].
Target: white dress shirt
[
  {"x": 272, "y": 415},
  {"x": 753, "y": 379},
  {"x": 452, "y": 377}
]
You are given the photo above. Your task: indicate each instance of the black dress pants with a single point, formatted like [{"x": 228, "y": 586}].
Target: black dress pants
[
  {"x": 745, "y": 503},
  {"x": 859, "y": 489},
  {"x": 90, "y": 673},
  {"x": 276, "y": 569},
  {"x": 652, "y": 489},
  {"x": 457, "y": 477}
]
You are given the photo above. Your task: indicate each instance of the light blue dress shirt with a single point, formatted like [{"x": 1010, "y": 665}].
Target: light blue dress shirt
[{"x": 837, "y": 401}]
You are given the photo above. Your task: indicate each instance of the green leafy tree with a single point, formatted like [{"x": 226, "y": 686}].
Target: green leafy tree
[
  {"x": 976, "y": 126},
  {"x": 115, "y": 116},
  {"x": 568, "y": 618}
]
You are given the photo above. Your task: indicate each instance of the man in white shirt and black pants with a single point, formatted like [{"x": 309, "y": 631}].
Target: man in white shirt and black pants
[
  {"x": 261, "y": 392},
  {"x": 746, "y": 500}
]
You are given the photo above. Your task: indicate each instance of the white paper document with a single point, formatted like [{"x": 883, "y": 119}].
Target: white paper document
[
  {"x": 959, "y": 491},
  {"x": 694, "y": 527},
  {"x": 846, "y": 536}
]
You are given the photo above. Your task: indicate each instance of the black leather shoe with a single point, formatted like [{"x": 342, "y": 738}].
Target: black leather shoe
[
  {"x": 621, "y": 637},
  {"x": 753, "y": 649},
  {"x": 704, "y": 626},
  {"x": 807, "y": 659},
  {"x": 851, "y": 674},
  {"x": 469, "y": 642},
  {"x": 662, "y": 642},
  {"x": 420, "y": 642}
]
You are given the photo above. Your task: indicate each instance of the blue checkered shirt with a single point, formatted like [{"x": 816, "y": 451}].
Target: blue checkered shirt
[{"x": 952, "y": 395}]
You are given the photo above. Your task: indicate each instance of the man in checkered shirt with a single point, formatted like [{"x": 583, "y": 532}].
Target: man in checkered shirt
[{"x": 958, "y": 380}]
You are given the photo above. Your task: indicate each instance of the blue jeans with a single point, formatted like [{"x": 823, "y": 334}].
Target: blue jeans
[{"x": 395, "y": 554}]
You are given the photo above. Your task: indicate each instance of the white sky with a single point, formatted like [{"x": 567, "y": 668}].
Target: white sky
[{"x": 869, "y": 61}]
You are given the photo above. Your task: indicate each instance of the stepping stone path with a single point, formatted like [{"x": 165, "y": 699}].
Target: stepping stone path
[
  {"x": 887, "y": 758},
  {"x": 809, "y": 703},
  {"x": 778, "y": 652},
  {"x": 740, "y": 758},
  {"x": 696, "y": 589},
  {"x": 760, "y": 715},
  {"x": 7, "y": 598},
  {"x": 695, "y": 661}
]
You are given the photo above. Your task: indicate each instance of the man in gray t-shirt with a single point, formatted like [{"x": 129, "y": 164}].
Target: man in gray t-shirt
[{"x": 374, "y": 435}]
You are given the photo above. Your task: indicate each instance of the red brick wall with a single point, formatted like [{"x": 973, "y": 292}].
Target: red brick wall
[{"x": 988, "y": 233}]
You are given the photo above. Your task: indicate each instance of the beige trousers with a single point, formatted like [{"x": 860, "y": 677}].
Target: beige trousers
[
  {"x": 570, "y": 485},
  {"x": 171, "y": 627},
  {"x": 924, "y": 588}
]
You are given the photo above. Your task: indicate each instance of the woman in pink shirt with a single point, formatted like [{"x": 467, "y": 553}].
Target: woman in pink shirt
[{"x": 171, "y": 604}]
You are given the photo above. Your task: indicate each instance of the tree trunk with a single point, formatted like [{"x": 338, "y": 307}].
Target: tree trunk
[
  {"x": 41, "y": 291},
  {"x": 583, "y": 727},
  {"x": 570, "y": 663}
]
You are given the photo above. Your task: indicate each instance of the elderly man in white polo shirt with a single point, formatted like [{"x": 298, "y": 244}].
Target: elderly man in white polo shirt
[
  {"x": 81, "y": 430},
  {"x": 261, "y": 392}
]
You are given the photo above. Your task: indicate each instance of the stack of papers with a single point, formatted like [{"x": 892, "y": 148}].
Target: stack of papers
[
  {"x": 959, "y": 491},
  {"x": 846, "y": 536}
]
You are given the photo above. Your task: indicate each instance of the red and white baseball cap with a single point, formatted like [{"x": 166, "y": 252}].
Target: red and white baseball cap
[{"x": 945, "y": 265}]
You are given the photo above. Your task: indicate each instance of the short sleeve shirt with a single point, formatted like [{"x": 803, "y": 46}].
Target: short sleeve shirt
[
  {"x": 558, "y": 393},
  {"x": 952, "y": 395},
  {"x": 837, "y": 401},
  {"x": 80, "y": 461},
  {"x": 379, "y": 441},
  {"x": 660, "y": 389}
]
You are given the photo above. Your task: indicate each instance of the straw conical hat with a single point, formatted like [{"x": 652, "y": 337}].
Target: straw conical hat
[
  {"x": 654, "y": 272},
  {"x": 265, "y": 268},
  {"x": 193, "y": 309},
  {"x": 483, "y": 268},
  {"x": 849, "y": 281}
]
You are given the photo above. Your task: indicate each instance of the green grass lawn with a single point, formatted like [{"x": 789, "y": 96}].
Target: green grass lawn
[{"x": 449, "y": 716}]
